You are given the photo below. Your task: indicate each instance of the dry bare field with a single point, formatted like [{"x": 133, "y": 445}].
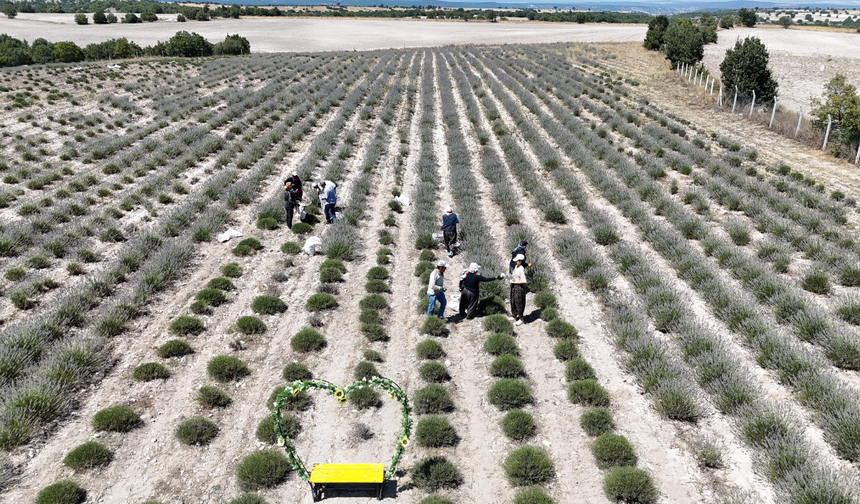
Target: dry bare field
[
  {"x": 692, "y": 275},
  {"x": 303, "y": 35}
]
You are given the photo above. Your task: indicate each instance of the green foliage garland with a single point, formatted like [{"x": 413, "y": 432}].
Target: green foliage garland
[{"x": 394, "y": 392}]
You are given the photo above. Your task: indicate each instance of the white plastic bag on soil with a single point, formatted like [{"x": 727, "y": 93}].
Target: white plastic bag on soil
[{"x": 312, "y": 246}]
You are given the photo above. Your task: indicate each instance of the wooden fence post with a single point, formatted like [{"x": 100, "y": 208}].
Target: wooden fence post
[
  {"x": 712, "y": 86},
  {"x": 720, "y": 96},
  {"x": 799, "y": 118},
  {"x": 827, "y": 134},
  {"x": 752, "y": 104},
  {"x": 772, "y": 113},
  {"x": 736, "y": 100}
]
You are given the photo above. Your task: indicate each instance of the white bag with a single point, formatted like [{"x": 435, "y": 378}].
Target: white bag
[
  {"x": 226, "y": 235},
  {"x": 312, "y": 246},
  {"x": 302, "y": 214},
  {"x": 437, "y": 237}
]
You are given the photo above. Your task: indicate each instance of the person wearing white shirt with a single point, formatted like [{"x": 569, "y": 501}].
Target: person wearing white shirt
[{"x": 519, "y": 287}]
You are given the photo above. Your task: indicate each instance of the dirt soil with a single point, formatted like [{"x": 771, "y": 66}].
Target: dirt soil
[{"x": 303, "y": 35}]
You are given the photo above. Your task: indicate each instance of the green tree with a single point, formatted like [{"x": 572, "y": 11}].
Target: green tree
[
  {"x": 9, "y": 10},
  {"x": 235, "y": 10},
  {"x": 233, "y": 44},
  {"x": 727, "y": 22},
  {"x": 111, "y": 18},
  {"x": 746, "y": 17},
  {"x": 81, "y": 18},
  {"x": 843, "y": 105},
  {"x": 656, "y": 33},
  {"x": 784, "y": 21},
  {"x": 188, "y": 45},
  {"x": 42, "y": 51},
  {"x": 13, "y": 52},
  {"x": 99, "y": 17},
  {"x": 68, "y": 52},
  {"x": 683, "y": 42},
  {"x": 132, "y": 18},
  {"x": 148, "y": 16},
  {"x": 708, "y": 26},
  {"x": 745, "y": 66},
  {"x": 180, "y": 18}
]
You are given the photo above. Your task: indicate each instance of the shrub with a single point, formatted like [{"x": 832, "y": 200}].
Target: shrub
[
  {"x": 150, "y": 371},
  {"x": 545, "y": 299},
  {"x": 376, "y": 286},
  {"x": 423, "y": 267},
  {"x": 212, "y": 297},
  {"x": 220, "y": 283},
  {"x": 612, "y": 450},
  {"x": 334, "y": 263},
  {"x": 528, "y": 466},
  {"x": 429, "y": 349},
  {"x": 307, "y": 340},
  {"x": 373, "y": 356},
  {"x": 518, "y": 425},
  {"x": 489, "y": 305},
  {"x": 849, "y": 310},
  {"x": 566, "y": 349},
  {"x": 587, "y": 392},
  {"x": 212, "y": 397},
  {"x": 365, "y": 370},
  {"x": 509, "y": 393},
  {"x": 329, "y": 274},
  {"x": 200, "y": 308},
  {"x": 364, "y": 397},
  {"x": 709, "y": 454},
  {"x": 268, "y": 305},
  {"x": 434, "y": 372},
  {"x": 578, "y": 369},
  {"x": 596, "y": 421},
  {"x": 174, "y": 348},
  {"x": 248, "y": 498},
  {"x": 498, "y": 324},
  {"x": 250, "y": 325},
  {"x": 533, "y": 495},
  {"x": 263, "y": 469},
  {"x": 435, "y": 432},
  {"x": 816, "y": 281},
  {"x": 116, "y": 419},
  {"x": 320, "y": 301},
  {"x": 298, "y": 402},
  {"x": 506, "y": 366},
  {"x": 226, "y": 368},
  {"x": 62, "y": 492},
  {"x": 500, "y": 344},
  {"x": 266, "y": 428},
  {"x": 88, "y": 455},
  {"x": 267, "y": 223},
  {"x": 291, "y": 247},
  {"x": 247, "y": 247},
  {"x": 296, "y": 371},
  {"x": 560, "y": 329},
  {"x": 427, "y": 255},
  {"x": 231, "y": 270},
  {"x": 370, "y": 316},
  {"x": 374, "y": 332},
  {"x": 434, "y": 473},
  {"x": 629, "y": 484},
  {"x": 196, "y": 431},
  {"x": 432, "y": 399},
  {"x": 434, "y": 326},
  {"x": 373, "y": 301},
  {"x": 435, "y": 499},
  {"x": 185, "y": 325},
  {"x": 377, "y": 273},
  {"x": 301, "y": 228}
]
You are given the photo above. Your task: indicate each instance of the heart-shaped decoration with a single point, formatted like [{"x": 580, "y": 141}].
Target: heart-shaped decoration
[{"x": 394, "y": 392}]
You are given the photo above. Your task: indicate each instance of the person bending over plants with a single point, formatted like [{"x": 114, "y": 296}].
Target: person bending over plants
[{"x": 469, "y": 289}]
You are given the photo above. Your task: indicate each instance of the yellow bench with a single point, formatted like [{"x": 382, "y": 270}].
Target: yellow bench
[{"x": 328, "y": 474}]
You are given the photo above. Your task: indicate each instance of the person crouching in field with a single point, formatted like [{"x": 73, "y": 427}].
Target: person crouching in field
[
  {"x": 449, "y": 230},
  {"x": 469, "y": 289},
  {"x": 519, "y": 288},
  {"x": 436, "y": 290},
  {"x": 292, "y": 196}
]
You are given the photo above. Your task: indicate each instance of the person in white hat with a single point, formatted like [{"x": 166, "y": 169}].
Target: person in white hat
[
  {"x": 519, "y": 287},
  {"x": 436, "y": 290},
  {"x": 469, "y": 293},
  {"x": 449, "y": 230},
  {"x": 292, "y": 196}
]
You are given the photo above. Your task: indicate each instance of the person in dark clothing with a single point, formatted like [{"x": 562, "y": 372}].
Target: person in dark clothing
[
  {"x": 292, "y": 196},
  {"x": 469, "y": 289},
  {"x": 518, "y": 250},
  {"x": 449, "y": 230}
]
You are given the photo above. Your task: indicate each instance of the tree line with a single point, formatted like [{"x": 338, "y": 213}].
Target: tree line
[{"x": 14, "y": 52}]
